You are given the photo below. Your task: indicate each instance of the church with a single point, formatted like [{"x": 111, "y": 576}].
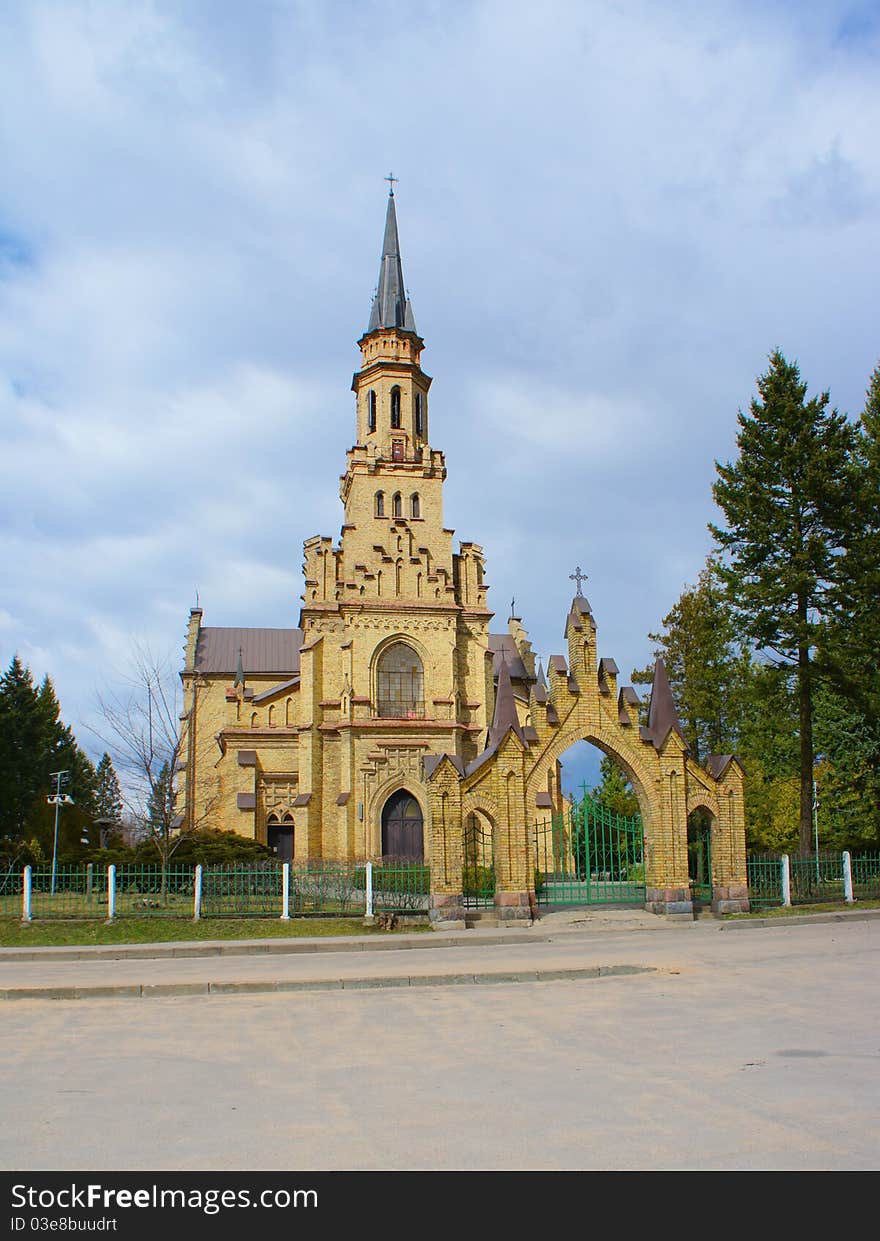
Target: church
[{"x": 392, "y": 720}]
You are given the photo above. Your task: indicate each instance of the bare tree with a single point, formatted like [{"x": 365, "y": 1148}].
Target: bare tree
[{"x": 147, "y": 737}]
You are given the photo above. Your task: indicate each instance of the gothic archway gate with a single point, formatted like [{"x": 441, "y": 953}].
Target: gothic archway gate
[
  {"x": 590, "y": 855},
  {"x": 478, "y": 865}
]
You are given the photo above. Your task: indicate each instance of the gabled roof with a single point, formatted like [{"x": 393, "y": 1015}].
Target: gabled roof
[
  {"x": 263, "y": 651},
  {"x": 717, "y": 764}
]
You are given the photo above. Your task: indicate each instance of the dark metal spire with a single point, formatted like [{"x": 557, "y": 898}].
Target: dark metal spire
[
  {"x": 662, "y": 715},
  {"x": 505, "y": 709},
  {"x": 391, "y": 307}
]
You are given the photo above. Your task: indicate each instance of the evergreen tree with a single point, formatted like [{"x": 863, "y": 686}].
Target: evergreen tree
[
  {"x": 34, "y": 742},
  {"x": 708, "y": 671},
  {"x": 108, "y": 795},
  {"x": 852, "y": 649},
  {"x": 614, "y": 790},
  {"x": 787, "y": 501}
]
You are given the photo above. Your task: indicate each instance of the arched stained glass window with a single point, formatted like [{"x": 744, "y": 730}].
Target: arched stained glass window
[{"x": 400, "y": 683}]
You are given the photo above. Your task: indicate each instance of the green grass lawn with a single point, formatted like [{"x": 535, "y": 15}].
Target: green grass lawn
[
  {"x": 161, "y": 930},
  {"x": 829, "y": 907}
]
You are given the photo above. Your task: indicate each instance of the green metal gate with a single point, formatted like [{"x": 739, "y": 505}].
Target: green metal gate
[
  {"x": 700, "y": 858},
  {"x": 478, "y": 865},
  {"x": 590, "y": 855}
]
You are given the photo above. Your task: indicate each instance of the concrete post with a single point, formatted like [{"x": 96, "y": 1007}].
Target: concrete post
[
  {"x": 285, "y": 892},
  {"x": 847, "y": 878},
  {"x": 26, "y": 887},
  {"x": 111, "y": 892},
  {"x": 785, "y": 867},
  {"x": 197, "y": 893},
  {"x": 89, "y": 880},
  {"x": 368, "y": 907}
]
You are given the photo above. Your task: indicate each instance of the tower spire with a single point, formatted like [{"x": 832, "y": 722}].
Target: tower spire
[{"x": 391, "y": 306}]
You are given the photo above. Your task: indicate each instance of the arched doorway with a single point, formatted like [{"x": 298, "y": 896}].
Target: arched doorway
[
  {"x": 402, "y": 826},
  {"x": 700, "y": 855},
  {"x": 279, "y": 836}
]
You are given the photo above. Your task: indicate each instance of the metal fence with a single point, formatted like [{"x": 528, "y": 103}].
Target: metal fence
[
  {"x": 866, "y": 876},
  {"x": 254, "y": 889},
  {"x": 764, "y": 874},
  {"x": 812, "y": 879}
]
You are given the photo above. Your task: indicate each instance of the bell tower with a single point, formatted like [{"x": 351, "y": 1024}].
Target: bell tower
[{"x": 394, "y": 545}]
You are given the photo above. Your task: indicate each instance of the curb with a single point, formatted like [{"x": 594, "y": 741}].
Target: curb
[
  {"x": 164, "y": 990},
  {"x": 177, "y": 949},
  {"x": 845, "y": 915}
]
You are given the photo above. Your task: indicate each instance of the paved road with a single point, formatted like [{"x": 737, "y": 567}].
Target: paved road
[{"x": 747, "y": 1048}]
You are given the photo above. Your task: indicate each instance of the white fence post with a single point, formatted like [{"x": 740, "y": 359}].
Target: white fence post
[
  {"x": 26, "y": 887},
  {"x": 786, "y": 880},
  {"x": 197, "y": 893},
  {"x": 368, "y": 913},
  {"x": 847, "y": 878},
  {"x": 285, "y": 892},
  {"x": 111, "y": 892}
]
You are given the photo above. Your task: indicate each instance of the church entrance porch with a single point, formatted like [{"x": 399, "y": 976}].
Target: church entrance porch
[{"x": 402, "y": 834}]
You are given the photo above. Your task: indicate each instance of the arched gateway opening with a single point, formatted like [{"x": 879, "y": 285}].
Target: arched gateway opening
[
  {"x": 700, "y": 855},
  {"x": 402, "y": 835},
  {"x": 592, "y": 852}
]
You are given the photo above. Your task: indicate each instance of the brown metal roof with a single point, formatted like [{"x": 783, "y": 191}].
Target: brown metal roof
[{"x": 263, "y": 651}]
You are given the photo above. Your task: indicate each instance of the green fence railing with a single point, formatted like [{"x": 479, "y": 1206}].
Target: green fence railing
[
  {"x": 764, "y": 874},
  {"x": 144, "y": 891},
  {"x": 399, "y": 886},
  {"x": 866, "y": 876},
  {"x": 78, "y": 891},
  {"x": 816, "y": 878}
]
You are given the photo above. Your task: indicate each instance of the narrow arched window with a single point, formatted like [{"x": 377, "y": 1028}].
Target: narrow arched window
[
  {"x": 395, "y": 409},
  {"x": 399, "y": 683},
  {"x": 371, "y": 412},
  {"x": 396, "y": 505},
  {"x": 380, "y": 503},
  {"x": 415, "y": 507},
  {"x": 420, "y": 415}
]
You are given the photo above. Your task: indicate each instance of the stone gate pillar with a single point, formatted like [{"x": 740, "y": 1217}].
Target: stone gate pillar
[
  {"x": 514, "y": 861},
  {"x": 667, "y": 883},
  {"x": 446, "y": 908}
]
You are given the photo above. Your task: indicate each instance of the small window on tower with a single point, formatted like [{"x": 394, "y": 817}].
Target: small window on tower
[
  {"x": 396, "y": 505},
  {"x": 395, "y": 409},
  {"x": 380, "y": 503},
  {"x": 420, "y": 416},
  {"x": 371, "y": 412},
  {"x": 415, "y": 506}
]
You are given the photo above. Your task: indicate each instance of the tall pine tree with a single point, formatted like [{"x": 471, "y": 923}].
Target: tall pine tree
[
  {"x": 708, "y": 672},
  {"x": 787, "y": 502}
]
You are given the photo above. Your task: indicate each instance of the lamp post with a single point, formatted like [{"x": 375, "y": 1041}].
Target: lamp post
[{"x": 58, "y": 799}]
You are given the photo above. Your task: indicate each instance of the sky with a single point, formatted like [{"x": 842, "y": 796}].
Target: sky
[{"x": 610, "y": 214}]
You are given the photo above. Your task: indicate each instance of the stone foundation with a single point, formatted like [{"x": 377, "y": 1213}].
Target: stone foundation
[
  {"x": 446, "y": 911},
  {"x": 513, "y": 906},
  {"x": 730, "y": 900},
  {"x": 670, "y": 901}
]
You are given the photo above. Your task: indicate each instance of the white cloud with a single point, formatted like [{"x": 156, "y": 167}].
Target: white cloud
[{"x": 609, "y": 216}]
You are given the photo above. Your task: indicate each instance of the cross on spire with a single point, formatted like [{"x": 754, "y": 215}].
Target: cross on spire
[
  {"x": 578, "y": 577},
  {"x": 391, "y": 179}
]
